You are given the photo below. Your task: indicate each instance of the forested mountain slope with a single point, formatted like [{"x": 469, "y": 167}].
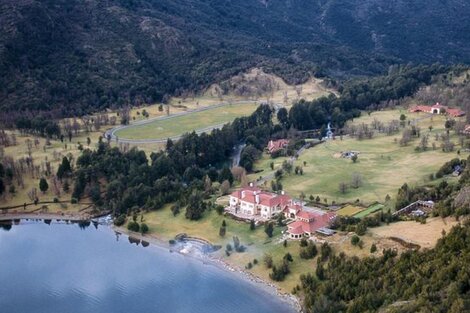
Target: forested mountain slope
[{"x": 76, "y": 56}]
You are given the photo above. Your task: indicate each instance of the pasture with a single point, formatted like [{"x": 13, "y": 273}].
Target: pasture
[{"x": 383, "y": 164}]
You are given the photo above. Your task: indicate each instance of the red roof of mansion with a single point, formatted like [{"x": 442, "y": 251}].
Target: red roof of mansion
[{"x": 250, "y": 195}]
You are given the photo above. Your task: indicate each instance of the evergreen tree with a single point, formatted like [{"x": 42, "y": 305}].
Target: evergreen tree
[
  {"x": 252, "y": 224},
  {"x": 269, "y": 229},
  {"x": 43, "y": 185},
  {"x": 196, "y": 206},
  {"x": 64, "y": 168}
]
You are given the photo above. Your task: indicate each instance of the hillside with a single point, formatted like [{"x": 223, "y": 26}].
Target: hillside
[{"x": 75, "y": 56}]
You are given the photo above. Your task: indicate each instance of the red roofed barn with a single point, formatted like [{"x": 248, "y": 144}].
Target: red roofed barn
[{"x": 437, "y": 109}]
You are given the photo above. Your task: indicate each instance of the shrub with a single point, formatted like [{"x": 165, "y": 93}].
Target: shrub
[
  {"x": 144, "y": 228},
  {"x": 175, "y": 209},
  {"x": 288, "y": 257},
  {"x": 219, "y": 209},
  {"x": 268, "y": 260},
  {"x": 120, "y": 220},
  {"x": 355, "y": 240},
  {"x": 133, "y": 226},
  {"x": 308, "y": 252}
]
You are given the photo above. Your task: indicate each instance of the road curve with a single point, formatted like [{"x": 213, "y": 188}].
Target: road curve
[{"x": 111, "y": 133}]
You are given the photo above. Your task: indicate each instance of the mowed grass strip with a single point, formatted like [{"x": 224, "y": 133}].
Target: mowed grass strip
[
  {"x": 349, "y": 210},
  {"x": 372, "y": 209},
  {"x": 179, "y": 125}
]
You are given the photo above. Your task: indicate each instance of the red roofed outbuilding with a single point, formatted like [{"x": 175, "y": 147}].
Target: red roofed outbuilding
[
  {"x": 308, "y": 222},
  {"x": 277, "y": 145},
  {"x": 437, "y": 109}
]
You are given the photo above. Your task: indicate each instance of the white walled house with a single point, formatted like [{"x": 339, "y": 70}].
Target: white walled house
[{"x": 252, "y": 201}]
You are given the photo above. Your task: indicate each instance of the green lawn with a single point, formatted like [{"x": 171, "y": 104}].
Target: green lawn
[
  {"x": 372, "y": 209},
  {"x": 383, "y": 164},
  {"x": 163, "y": 224},
  {"x": 183, "y": 124}
]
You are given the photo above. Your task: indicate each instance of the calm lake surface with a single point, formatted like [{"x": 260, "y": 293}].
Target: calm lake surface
[{"x": 66, "y": 269}]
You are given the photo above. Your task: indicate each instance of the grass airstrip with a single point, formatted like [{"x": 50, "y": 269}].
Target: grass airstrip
[{"x": 182, "y": 124}]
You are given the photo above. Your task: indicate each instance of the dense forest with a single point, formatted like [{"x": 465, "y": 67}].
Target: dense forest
[
  {"x": 369, "y": 94},
  {"x": 70, "y": 57},
  {"x": 436, "y": 280}
]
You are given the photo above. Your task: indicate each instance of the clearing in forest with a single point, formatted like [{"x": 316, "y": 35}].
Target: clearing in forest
[{"x": 383, "y": 164}]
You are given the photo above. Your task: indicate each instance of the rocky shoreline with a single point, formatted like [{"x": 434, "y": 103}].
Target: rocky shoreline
[
  {"x": 73, "y": 217},
  {"x": 220, "y": 263}
]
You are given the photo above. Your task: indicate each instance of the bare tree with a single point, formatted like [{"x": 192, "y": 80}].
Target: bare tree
[
  {"x": 29, "y": 146},
  {"x": 405, "y": 137},
  {"x": 356, "y": 180},
  {"x": 238, "y": 172},
  {"x": 424, "y": 144},
  {"x": 225, "y": 187},
  {"x": 286, "y": 98},
  {"x": 298, "y": 90},
  {"x": 33, "y": 194},
  {"x": 447, "y": 145}
]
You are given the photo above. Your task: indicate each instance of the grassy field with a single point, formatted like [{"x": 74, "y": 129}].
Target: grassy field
[
  {"x": 425, "y": 235},
  {"x": 350, "y": 210},
  {"x": 187, "y": 123},
  {"x": 42, "y": 153},
  {"x": 383, "y": 164}
]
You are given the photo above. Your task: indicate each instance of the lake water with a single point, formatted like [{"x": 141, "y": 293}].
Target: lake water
[{"x": 66, "y": 269}]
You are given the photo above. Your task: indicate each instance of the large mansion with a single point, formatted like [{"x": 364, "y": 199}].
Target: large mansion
[{"x": 253, "y": 203}]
